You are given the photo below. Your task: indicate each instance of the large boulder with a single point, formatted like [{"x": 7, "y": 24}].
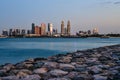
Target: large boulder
[
  {"x": 95, "y": 69},
  {"x": 99, "y": 77},
  {"x": 59, "y": 79},
  {"x": 3, "y": 72},
  {"x": 57, "y": 72},
  {"x": 40, "y": 70},
  {"x": 10, "y": 78},
  {"x": 8, "y": 66},
  {"x": 66, "y": 67},
  {"x": 32, "y": 77},
  {"x": 50, "y": 65},
  {"x": 65, "y": 59}
]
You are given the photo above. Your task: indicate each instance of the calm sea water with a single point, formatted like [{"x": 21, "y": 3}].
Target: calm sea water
[{"x": 13, "y": 50}]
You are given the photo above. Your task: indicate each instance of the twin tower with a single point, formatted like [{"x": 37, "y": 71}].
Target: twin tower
[{"x": 65, "y": 31}]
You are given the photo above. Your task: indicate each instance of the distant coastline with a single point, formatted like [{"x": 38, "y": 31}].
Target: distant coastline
[{"x": 92, "y": 36}]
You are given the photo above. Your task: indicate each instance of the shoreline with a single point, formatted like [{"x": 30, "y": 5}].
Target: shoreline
[{"x": 92, "y": 64}]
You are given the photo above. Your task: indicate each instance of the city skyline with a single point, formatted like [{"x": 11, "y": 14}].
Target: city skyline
[{"x": 83, "y": 14}]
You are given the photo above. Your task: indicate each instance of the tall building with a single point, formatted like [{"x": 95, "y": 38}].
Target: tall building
[
  {"x": 95, "y": 31},
  {"x": 29, "y": 31},
  {"x": 33, "y": 28},
  {"x": 68, "y": 28},
  {"x": 43, "y": 29},
  {"x": 65, "y": 31},
  {"x": 10, "y": 32},
  {"x": 62, "y": 28},
  {"x": 50, "y": 28},
  {"x": 17, "y": 31},
  {"x": 23, "y": 32},
  {"x": 36, "y": 30},
  {"x": 89, "y": 32},
  {"x": 5, "y": 32}
]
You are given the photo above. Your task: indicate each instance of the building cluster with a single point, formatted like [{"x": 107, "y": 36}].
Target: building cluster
[
  {"x": 89, "y": 32},
  {"x": 43, "y": 30},
  {"x": 65, "y": 31},
  {"x": 14, "y": 32}
]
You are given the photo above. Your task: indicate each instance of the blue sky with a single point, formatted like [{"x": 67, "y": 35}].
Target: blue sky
[{"x": 83, "y": 14}]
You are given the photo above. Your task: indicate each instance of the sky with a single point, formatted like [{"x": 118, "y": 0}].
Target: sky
[{"x": 83, "y": 14}]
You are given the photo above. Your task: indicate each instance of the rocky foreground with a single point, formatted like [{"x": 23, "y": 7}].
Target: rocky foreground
[{"x": 94, "y": 64}]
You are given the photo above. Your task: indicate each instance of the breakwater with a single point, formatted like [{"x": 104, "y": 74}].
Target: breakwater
[{"x": 101, "y": 63}]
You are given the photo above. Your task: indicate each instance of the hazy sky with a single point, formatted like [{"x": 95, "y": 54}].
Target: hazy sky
[{"x": 83, "y": 14}]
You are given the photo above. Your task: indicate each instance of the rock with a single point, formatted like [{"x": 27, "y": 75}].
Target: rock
[
  {"x": 59, "y": 79},
  {"x": 95, "y": 69},
  {"x": 3, "y": 73},
  {"x": 38, "y": 64},
  {"x": 78, "y": 78},
  {"x": 66, "y": 67},
  {"x": 104, "y": 67},
  {"x": 23, "y": 65},
  {"x": 32, "y": 77},
  {"x": 99, "y": 77},
  {"x": 13, "y": 72},
  {"x": 21, "y": 74},
  {"x": 39, "y": 59},
  {"x": 65, "y": 59},
  {"x": 116, "y": 77},
  {"x": 80, "y": 69},
  {"x": 104, "y": 58},
  {"x": 77, "y": 54},
  {"x": 71, "y": 75},
  {"x": 91, "y": 60},
  {"x": 57, "y": 72},
  {"x": 10, "y": 78},
  {"x": 80, "y": 60},
  {"x": 24, "y": 73},
  {"x": 50, "y": 65},
  {"x": 8, "y": 66},
  {"x": 40, "y": 71},
  {"x": 30, "y": 60},
  {"x": 83, "y": 77}
]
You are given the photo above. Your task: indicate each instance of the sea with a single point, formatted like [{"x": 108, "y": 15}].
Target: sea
[{"x": 14, "y": 50}]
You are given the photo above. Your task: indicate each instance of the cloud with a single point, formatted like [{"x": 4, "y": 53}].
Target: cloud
[
  {"x": 110, "y": 3},
  {"x": 117, "y": 2}
]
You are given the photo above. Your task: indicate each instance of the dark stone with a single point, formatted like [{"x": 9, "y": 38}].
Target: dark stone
[
  {"x": 80, "y": 69},
  {"x": 78, "y": 78},
  {"x": 38, "y": 64},
  {"x": 116, "y": 77},
  {"x": 104, "y": 58},
  {"x": 39, "y": 59},
  {"x": 3, "y": 73}
]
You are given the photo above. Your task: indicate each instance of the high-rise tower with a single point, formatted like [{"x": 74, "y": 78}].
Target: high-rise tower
[
  {"x": 62, "y": 28},
  {"x": 33, "y": 28},
  {"x": 43, "y": 29},
  {"x": 50, "y": 28},
  {"x": 68, "y": 28}
]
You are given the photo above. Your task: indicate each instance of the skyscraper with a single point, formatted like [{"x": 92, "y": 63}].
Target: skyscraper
[
  {"x": 37, "y": 30},
  {"x": 33, "y": 28},
  {"x": 23, "y": 32},
  {"x": 50, "y": 28},
  {"x": 62, "y": 28},
  {"x": 43, "y": 29},
  {"x": 68, "y": 28},
  {"x": 5, "y": 32},
  {"x": 95, "y": 31},
  {"x": 10, "y": 32}
]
